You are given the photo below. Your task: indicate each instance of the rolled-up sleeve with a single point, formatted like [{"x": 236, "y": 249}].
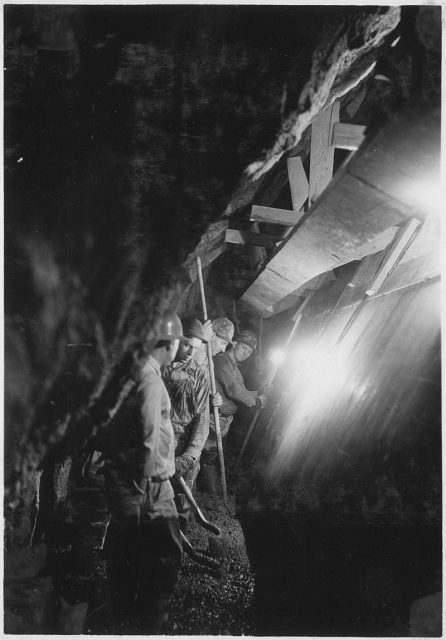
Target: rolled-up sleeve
[
  {"x": 199, "y": 434},
  {"x": 200, "y": 428},
  {"x": 231, "y": 383}
]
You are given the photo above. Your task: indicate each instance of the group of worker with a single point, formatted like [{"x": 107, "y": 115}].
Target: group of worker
[{"x": 166, "y": 431}]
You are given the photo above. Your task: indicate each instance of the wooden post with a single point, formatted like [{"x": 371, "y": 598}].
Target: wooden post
[
  {"x": 322, "y": 150},
  {"x": 298, "y": 182},
  {"x": 213, "y": 389},
  {"x": 391, "y": 257}
]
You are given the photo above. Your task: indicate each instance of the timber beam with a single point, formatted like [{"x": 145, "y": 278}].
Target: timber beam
[{"x": 236, "y": 236}]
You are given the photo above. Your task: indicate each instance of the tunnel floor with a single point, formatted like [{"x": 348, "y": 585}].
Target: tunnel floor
[
  {"x": 208, "y": 601},
  {"x": 280, "y": 574}
]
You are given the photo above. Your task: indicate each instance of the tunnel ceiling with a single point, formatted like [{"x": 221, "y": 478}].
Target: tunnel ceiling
[{"x": 134, "y": 136}]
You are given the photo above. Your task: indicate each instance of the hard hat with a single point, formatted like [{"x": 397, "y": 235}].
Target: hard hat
[
  {"x": 249, "y": 338},
  {"x": 169, "y": 327},
  {"x": 223, "y": 328},
  {"x": 192, "y": 328}
]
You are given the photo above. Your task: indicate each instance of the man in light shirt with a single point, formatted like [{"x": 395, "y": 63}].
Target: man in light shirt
[{"x": 144, "y": 540}]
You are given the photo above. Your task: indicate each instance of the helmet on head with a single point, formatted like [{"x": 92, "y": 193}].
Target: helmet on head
[
  {"x": 249, "y": 338},
  {"x": 192, "y": 328},
  {"x": 223, "y": 328},
  {"x": 169, "y": 327}
]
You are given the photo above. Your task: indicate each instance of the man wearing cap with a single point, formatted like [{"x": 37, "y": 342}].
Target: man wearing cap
[
  {"x": 188, "y": 386},
  {"x": 143, "y": 542},
  {"x": 230, "y": 385},
  {"x": 219, "y": 334}
]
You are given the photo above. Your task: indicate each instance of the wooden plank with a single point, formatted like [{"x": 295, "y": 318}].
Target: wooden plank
[
  {"x": 403, "y": 160},
  {"x": 291, "y": 299},
  {"x": 428, "y": 241},
  {"x": 322, "y": 150},
  {"x": 394, "y": 252},
  {"x": 275, "y": 216},
  {"x": 355, "y": 289},
  {"x": 416, "y": 270},
  {"x": 235, "y": 236},
  {"x": 298, "y": 182},
  {"x": 358, "y": 212},
  {"x": 348, "y": 136},
  {"x": 350, "y": 221}
]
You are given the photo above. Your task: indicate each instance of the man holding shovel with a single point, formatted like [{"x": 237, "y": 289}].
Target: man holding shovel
[
  {"x": 188, "y": 385},
  {"x": 230, "y": 385}
]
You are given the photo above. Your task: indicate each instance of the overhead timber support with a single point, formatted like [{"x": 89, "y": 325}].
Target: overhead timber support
[{"x": 358, "y": 213}]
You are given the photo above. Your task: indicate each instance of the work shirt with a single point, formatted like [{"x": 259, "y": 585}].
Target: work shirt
[
  {"x": 143, "y": 441},
  {"x": 188, "y": 387},
  {"x": 230, "y": 384},
  {"x": 158, "y": 436}
]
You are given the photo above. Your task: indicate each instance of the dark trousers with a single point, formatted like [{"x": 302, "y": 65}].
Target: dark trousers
[
  {"x": 209, "y": 476},
  {"x": 143, "y": 548}
]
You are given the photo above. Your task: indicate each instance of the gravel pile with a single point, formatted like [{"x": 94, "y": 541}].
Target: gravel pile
[
  {"x": 214, "y": 602},
  {"x": 207, "y": 601}
]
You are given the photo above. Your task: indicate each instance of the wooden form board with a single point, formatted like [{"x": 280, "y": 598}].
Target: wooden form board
[
  {"x": 348, "y": 136},
  {"x": 299, "y": 186},
  {"x": 291, "y": 299},
  {"x": 427, "y": 241},
  {"x": 392, "y": 255},
  {"x": 350, "y": 221},
  {"x": 276, "y": 216},
  {"x": 417, "y": 270},
  {"x": 322, "y": 150},
  {"x": 359, "y": 212},
  {"x": 404, "y": 159},
  {"x": 236, "y": 236}
]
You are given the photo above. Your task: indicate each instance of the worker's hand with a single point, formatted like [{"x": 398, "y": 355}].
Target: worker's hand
[
  {"x": 208, "y": 331},
  {"x": 261, "y": 401},
  {"x": 183, "y": 464},
  {"x": 217, "y": 400}
]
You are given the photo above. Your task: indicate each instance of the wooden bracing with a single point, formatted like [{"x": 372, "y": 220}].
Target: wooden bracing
[{"x": 356, "y": 213}]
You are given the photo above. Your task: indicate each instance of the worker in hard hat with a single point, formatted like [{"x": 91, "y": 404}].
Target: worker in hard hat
[
  {"x": 144, "y": 539},
  {"x": 230, "y": 385},
  {"x": 188, "y": 385},
  {"x": 219, "y": 334}
]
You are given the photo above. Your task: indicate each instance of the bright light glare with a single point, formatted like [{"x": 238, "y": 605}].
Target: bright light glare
[
  {"x": 425, "y": 196},
  {"x": 320, "y": 369},
  {"x": 303, "y": 353},
  {"x": 328, "y": 371},
  {"x": 277, "y": 356}
]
